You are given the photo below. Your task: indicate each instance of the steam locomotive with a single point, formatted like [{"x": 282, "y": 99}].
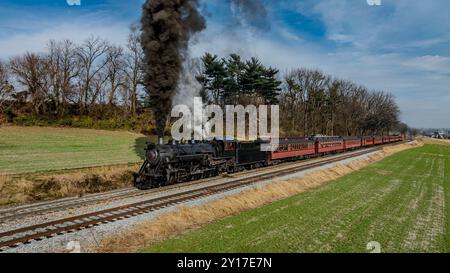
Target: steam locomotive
[{"x": 175, "y": 162}]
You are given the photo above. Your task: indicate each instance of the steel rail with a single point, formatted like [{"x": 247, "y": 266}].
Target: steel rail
[{"x": 23, "y": 235}]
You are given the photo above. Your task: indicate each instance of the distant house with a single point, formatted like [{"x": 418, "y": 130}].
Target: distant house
[{"x": 440, "y": 135}]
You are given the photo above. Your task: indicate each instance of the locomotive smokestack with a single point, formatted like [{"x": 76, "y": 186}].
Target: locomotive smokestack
[
  {"x": 161, "y": 140},
  {"x": 167, "y": 26}
]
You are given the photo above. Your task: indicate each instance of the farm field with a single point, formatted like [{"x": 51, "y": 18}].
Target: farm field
[
  {"x": 400, "y": 202},
  {"x": 40, "y": 149}
]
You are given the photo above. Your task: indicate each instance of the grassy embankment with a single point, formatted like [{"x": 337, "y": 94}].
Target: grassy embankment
[
  {"x": 402, "y": 202},
  {"x": 39, "y": 163}
]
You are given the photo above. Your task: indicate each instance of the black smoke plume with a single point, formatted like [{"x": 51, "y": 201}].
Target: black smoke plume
[{"x": 167, "y": 26}]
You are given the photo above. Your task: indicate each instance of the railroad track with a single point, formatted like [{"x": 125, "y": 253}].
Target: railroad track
[
  {"x": 18, "y": 212},
  {"x": 72, "y": 202},
  {"x": 24, "y": 235},
  {"x": 42, "y": 208}
]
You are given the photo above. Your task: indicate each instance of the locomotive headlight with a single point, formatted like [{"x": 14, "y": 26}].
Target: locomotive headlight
[{"x": 152, "y": 156}]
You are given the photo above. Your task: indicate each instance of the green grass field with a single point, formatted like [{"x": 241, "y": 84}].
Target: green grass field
[
  {"x": 37, "y": 149},
  {"x": 402, "y": 202}
]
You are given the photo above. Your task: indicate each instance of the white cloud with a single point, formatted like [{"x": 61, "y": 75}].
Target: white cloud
[
  {"x": 76, "y": 31},
  {"x": 396, "y": 24},
  {"x": 431, "y": 63},
  {"x": 289, "y": 35}
]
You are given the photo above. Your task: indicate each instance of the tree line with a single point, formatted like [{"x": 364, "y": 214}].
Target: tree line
[
  {"x": 99, "y": 80},
  {"x": 311, "y": 102},
  {"x": 316, "y": 102},
  {"x": 95, "y": 78}
]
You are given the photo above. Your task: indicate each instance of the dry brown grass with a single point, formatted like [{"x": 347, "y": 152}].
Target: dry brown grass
[
  {"x": 428, "y": 140},
  {"x": 38, "y": 187},
  {"x": 186, "y": 218}
]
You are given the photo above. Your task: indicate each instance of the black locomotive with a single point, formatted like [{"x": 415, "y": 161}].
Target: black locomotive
[{"x": 167, "y": 164}]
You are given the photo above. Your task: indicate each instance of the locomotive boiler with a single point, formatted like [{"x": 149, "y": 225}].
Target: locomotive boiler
[{"x": 176, "y": 162}]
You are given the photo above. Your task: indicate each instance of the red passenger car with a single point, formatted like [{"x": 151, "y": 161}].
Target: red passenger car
[
  {"x": 352, "y": 143},
  {"x": 325, "y": 145},
  {"x": 293, "y": 148},
  {"x": 386, "y": 139},
  {"x": 395, "y": 138},
  {"x": 367, "y": 141},
  {"x": 377, "y": 140}
]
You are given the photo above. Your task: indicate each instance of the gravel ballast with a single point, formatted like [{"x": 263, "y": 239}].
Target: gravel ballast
[{"x": 87, "y": 239}]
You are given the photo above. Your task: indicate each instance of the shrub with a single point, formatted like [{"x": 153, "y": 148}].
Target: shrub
[
  {"x": 139, "y": 124},
  {"x": 9, "y": 114}
]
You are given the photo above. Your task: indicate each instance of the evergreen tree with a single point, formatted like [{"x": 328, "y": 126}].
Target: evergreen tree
[
  {"x": 271, "y": 86},
  {"x": 252, "y": 80},
  {"x": 233, "y": 82},
  {"x": 214, "y": 77}
]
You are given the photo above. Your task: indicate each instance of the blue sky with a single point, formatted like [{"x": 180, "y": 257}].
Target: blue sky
[{"x": 402, "y": 46}]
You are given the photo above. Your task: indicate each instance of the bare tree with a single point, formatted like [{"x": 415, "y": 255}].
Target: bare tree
[
  {"x": 133, "y": 70},
  {"x": 6, "y": 89},
  {"x": 31, "y": 71},
  {"x": 297, "y": 97},
  {"x": 335, "y": 97},
  {"x": 115, "y": 67},
  {"x": 62, "y": 71},
  {"x": 403, "y": 128},
  {"x": 91, "y": 60},
  {"x": 382, "y": 113},
  {"x": 307, "y": 89},
  {"x": 317, "y": 90},
  {"x": 99, "y": 92},
  {"x": 292, "y": 101}
]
